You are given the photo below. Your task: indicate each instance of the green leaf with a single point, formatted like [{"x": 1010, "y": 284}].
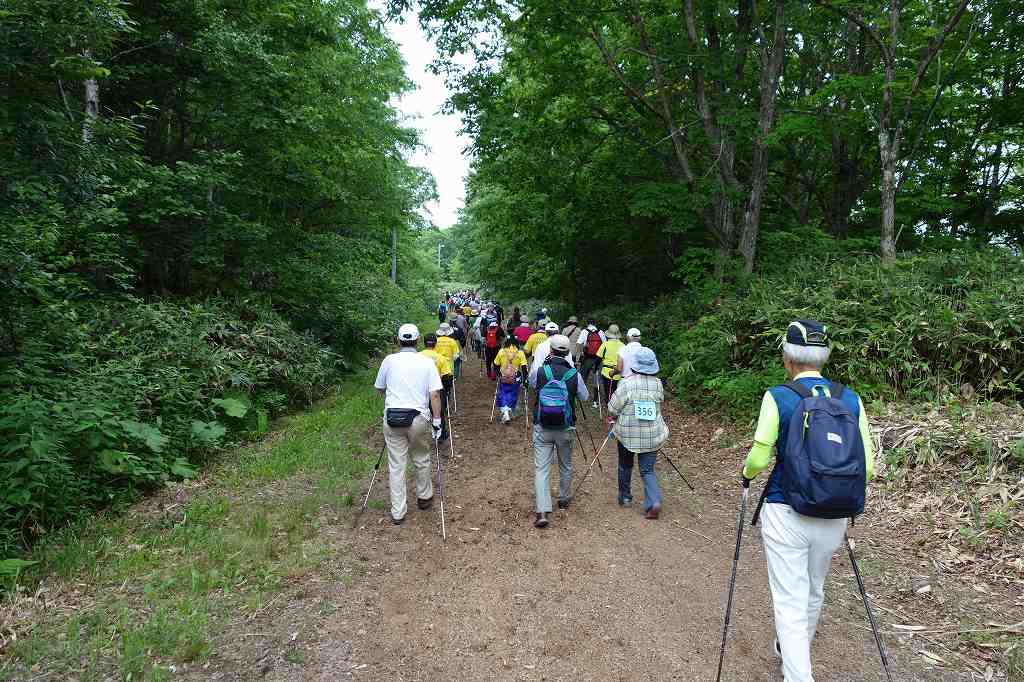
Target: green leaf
[
  {"x": 231, "y": 407},
  {"x": 183, "y": 468},
  {"x": 14, "y": 566},
  {"x": 148, "y": 434},
  {"x": 208, "y": 432}
]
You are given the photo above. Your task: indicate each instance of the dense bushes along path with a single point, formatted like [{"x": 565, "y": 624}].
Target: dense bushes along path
[{"x": 257, "y": 573}]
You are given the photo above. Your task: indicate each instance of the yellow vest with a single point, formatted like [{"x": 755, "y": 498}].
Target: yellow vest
[
  {"x": 609, "y": 354},
  {"x": 444, "y": 367}
]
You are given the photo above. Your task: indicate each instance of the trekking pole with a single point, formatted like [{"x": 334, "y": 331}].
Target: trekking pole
[
  {"x": 667, "y": 459},
  {"x": 597, "y": 459},
  {"x": 495, "y": 403},
  {"x": 451, "y": 437},
  {"x": 760, "y": 503},
  {"x": 867, "y": 607},
  {"x": 376, "y": 468},
  {"x": 592, "y": 443},
  {"x": 732, "y": 579},
  {"x": 440, "y": 487}
]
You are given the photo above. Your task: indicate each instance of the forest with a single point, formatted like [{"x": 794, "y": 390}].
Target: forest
[
  {"x": 197, "y": 208},
  {"x": 710, "y": 170}
]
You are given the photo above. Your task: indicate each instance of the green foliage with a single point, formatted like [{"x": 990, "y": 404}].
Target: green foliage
[
  {"x": 206, "y": 252},
  {"x": 933, "y": 324},
  {"x": 131, "y": 396}
]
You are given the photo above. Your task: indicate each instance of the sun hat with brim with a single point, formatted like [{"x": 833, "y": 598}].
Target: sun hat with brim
[
  {"x": 408, "y": 332},
  {"x": 644, "y": 361},
  {"x": 560, "y": 343},
  {"x": 807, "y": 333},
  {"x": 613, "y": 332},
  {"x": 444, "y": 330},
  {"x": 573, "y": 319},
  {"x": 524, "y": 323},
  {"x": 551, "y": 328},
  {"x": 632, "y": 333},
  {"x": 492, "y": 323}
]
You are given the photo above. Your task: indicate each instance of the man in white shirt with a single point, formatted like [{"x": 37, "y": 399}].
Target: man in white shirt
[
  {"x": 411, "y": 388},
  {"x": 625, "y": 365},
  {"x": 543, "y": 350}
]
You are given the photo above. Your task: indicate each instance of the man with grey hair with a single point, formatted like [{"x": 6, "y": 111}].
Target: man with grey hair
[{"x": 799, "y": 546}]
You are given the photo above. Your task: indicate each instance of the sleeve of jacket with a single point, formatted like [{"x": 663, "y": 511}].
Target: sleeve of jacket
[{"x": 765, "y": 435}]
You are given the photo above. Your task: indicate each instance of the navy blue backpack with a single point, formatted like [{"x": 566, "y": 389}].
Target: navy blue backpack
[{"x": 825, "y": 475}]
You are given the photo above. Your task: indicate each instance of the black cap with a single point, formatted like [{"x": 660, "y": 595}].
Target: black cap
[{"x": 807, "y": 333}]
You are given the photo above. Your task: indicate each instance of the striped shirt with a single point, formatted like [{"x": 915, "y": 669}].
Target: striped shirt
[{"x": 638, "y": 435}]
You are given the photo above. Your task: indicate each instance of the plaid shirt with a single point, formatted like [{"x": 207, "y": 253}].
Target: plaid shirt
[{"x": 638, "y": 435}]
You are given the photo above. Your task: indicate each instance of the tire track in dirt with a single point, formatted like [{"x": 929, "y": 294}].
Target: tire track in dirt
[{"x": 600, "y": 594}]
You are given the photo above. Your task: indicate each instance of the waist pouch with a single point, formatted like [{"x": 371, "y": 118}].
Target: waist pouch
[{"x": 400, "y": 417}]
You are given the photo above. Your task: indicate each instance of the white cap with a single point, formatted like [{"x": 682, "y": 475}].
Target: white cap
[
  {"x": 551, "y": 328},
  {"x": 633, "y": 333},
  {"x": 408, "y": 332}
]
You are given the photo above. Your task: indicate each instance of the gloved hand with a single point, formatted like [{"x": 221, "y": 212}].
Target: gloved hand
[
  {"x": 743, "y": 477},
  {"x": 436, "y": 426}
]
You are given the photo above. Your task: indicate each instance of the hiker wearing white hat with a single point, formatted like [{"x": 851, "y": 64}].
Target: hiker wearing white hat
[
  {"x": 558, "y": 389},
  {"x": 639, "y": 428},
  {"x": 411, "y": 387},
  {"x": 543, "y": 349},
  {"x": 627, "y": 351}
]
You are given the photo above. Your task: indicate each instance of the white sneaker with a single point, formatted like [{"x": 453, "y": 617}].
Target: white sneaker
[
  {"x": 505, "y": 416},
  {"x": 596, "y": 405}
]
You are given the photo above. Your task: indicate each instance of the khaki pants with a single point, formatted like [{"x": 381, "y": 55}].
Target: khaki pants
[{"x": 402, "y": 442}]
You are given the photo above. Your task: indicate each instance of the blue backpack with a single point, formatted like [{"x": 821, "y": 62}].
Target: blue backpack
[
  {"x": 554, "y": 406},
  {"x": 824, "y": 474}
]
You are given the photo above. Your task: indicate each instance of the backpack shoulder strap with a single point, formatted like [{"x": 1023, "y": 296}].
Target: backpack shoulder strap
[
  {"x": 547, "y": 372},
  {"x": 837, "y": 390},
  {"x": 799, "y": 389},
  {"x": 569, "y": 374}
]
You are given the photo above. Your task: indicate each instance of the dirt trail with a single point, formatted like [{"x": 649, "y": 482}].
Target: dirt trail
[{"x": 600, "y": 594}]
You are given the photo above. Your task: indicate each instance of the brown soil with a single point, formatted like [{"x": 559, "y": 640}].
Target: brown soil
[{"x": 600, "y": 594}]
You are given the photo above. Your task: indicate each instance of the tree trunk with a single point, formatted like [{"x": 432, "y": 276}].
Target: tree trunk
[
  {"x": 889, "y": 150},
  {"x": 92, "y": 106}
]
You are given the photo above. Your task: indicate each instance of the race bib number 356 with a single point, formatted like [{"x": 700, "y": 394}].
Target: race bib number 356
[{"x": 644, "y": 410}]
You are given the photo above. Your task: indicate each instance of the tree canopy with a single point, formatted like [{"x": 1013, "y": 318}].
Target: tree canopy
[{"x": 660, "y": 141}]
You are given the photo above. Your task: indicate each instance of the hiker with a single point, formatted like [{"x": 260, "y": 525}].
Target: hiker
[
  {"x": 459, "y": 337},
  {"x": 640, "y": 429},
  {"x": 445, "y": 369},
  {"x": 626, "y": 352},
  {"x": 516, "y": 317},
  {"x": 448, "y": 346},
  {"x": 608, "y": 354},
  {"x": 540, "y": 315},
  {"x": 461, "y": 322},
  {"x": 511, "y": 363},
  {"x": 572, "y": 330},
  {"x": 587, "y": 345},
  {"x": 523, "y": 332},
  {"x": 536, "y": 338},
  {"x": 543, "y": 349},
  {"x": 442, "y": 311},
  {"x": 558, "y": 388},
  {"x": 798, "y": 543},
  {"x": 411, "y": 387},
  {"x": 493, "y": 338}
]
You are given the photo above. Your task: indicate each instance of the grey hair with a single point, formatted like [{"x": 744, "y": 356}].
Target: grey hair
[{"x": 812, "y": 356}]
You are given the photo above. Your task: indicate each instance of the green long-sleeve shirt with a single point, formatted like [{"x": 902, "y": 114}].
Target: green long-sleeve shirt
[{"x": 767, "y": 433}]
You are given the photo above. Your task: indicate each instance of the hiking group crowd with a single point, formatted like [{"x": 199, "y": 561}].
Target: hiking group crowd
[{"x": 814, "y": 429}]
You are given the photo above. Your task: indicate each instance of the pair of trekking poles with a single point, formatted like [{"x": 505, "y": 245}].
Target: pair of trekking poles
[
  {"x": 732, "y": 583},
  {"x": 440, "y": 477}
]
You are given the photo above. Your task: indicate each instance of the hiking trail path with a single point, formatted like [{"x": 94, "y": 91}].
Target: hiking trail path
[{"x": 601, "y": 594}]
